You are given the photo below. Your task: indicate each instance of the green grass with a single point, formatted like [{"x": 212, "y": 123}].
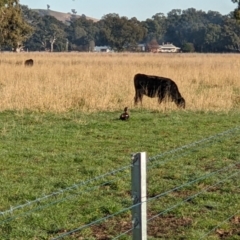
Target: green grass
[{"x": 43, "y": 153}]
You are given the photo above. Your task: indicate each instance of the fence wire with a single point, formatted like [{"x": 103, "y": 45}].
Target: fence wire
[
  {"x": 115, "y": 171},
  {"x": 219, "y": 225},
  {"x": 194, "y": 181},
  {"x": 210, "y": 139},
  {"x": 153, "y": 161},
  {"x": 187, "y": 199},
  {"x": 191, "y": 197},
  {"x": 68, "y": 189},
  {"x": 150, "y": 199},
  {"x": 95, "y": 222},
  {"x": 71, "y": 197}
]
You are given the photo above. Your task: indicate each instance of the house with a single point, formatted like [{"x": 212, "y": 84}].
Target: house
[
  {"x": 154, "y": 47},
  {"x": 102, "y": 49},
  {"x": 141, "y": 47},
  {"x": 168, "y": 48}
]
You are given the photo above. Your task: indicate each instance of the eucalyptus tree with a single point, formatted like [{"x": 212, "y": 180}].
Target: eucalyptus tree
[
  {"x": 230, "y": 35},
  {"x": 185, "y": 26},
  {"x": 212, "y": 38},
  {"x": 156, "y": 28},
  {"x": 237, "y": 10},
  {"x": 33, "y": 18},
  {"x": 174, "y": 32},
  {"x": 14, "y": 30},
  {"x": 120, "y": 33},
  {"x": 49, "y": 35},
  {"x": 82, "y": 33}
]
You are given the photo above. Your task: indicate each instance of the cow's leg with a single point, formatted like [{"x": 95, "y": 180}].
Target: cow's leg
[
  {"x": 161, "y": 96},
  {"x": 160, "y": 100},
  {"x": 138, "y": 97}
]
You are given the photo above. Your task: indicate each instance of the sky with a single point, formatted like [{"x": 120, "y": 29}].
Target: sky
[{"x": 141, "y": 9}]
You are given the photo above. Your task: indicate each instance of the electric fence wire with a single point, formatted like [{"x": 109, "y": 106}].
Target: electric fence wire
[
  {"x": 47, "y": 205},
  {"x": 177, "y": 188},
  {"x": 71, "y": 197},
  {"x": 75, "y": 186},
  {"x": 61, "y": 191},
  {"x": 191, "y": 197},
  {"x": 194, "y": 144},
  {"x": 194, "y": 181},
  {"x": 95, "y": 222},
  {"x": 150, "y": 199},
  {"x": 219, "y": 225},
  {"x": 122, "y": 234},
  {"x": 113, "y": 172}
]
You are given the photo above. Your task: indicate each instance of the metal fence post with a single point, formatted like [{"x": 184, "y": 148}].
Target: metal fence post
[{"x": 139, "y": 195}]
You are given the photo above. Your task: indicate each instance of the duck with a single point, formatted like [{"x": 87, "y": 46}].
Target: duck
[{"x": 125, "y": 114}]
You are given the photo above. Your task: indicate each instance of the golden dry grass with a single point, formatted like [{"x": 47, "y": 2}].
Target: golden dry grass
[{"x": 61, "y": 82}]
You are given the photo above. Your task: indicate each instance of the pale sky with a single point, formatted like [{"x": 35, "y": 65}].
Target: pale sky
[{"x": 141, "y": 9}]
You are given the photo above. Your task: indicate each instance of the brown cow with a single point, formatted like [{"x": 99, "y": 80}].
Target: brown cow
[
  {"x": 154, "y": 86},
  {"x": 28, "y": 62}
]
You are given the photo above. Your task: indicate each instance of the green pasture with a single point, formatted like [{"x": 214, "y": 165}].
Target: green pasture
[{"x": 50, "y": 163}]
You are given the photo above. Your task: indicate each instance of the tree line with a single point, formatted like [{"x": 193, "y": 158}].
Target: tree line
[{"x": 192, "y": 30}]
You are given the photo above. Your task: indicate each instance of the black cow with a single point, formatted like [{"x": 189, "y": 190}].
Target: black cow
[
  {"x": 154, "y": 86},
  {"x": 28, "y": 62}
]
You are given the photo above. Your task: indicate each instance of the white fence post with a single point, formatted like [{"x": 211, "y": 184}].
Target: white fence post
[{"x": 139, "y": 195}]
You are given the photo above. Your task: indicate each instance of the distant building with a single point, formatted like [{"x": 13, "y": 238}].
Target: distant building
[
  {"x": 141, "y": 47},
  {"x": 154, "y": 47},
  {"x": 168, "y": 48},
  {"x": 102, "y": 49}
]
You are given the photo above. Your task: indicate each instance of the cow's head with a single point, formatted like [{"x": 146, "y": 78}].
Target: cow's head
[{"x": 181, "y": 103}]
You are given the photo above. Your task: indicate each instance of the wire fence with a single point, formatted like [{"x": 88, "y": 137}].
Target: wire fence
[{"x": 221, "y": 175}]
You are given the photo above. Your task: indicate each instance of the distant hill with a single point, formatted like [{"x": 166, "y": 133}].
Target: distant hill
[{"x": 63, "y": 17}]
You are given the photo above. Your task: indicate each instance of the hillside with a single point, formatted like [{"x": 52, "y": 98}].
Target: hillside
[{"x": 63, "y": 17}]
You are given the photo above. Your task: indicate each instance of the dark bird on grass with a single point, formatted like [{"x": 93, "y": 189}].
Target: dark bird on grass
[{"x": 125, "y": 114}]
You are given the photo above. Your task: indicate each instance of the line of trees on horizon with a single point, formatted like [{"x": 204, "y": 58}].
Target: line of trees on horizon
[{"x": 192, "y": 30}]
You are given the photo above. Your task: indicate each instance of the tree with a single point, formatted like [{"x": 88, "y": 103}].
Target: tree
[
  {"x": 74, "y": 11},
  {"x": 82, "y": 34},
  {"x": 153, "y": 46},
  {"x": 188, "y": 47},
  {"x": 155, "y": 27},
  {"x": 33, "y": 18},
  {"x": 120, "y": 33},
  {"x": 48, "y": 7},
  {"x": 14, "y": 30},
  {"x": 230, "y": 36},
  {"x": 49, "y": 35},
  {"x": 54, "y": 33},
  {"x": 236, "y": 12},
  {"x": 212, "y": 37}
]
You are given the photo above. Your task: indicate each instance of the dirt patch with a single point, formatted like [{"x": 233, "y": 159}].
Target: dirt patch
[
  {"x": 235, "y": 230},
  {"x": 168, "y": 226},
  {"x": 163, "y": 226}
]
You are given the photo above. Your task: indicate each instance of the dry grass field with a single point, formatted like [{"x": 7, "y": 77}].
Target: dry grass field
[{"x": 60, "y": 82}]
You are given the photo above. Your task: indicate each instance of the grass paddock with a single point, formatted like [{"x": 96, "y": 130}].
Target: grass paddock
[
  {"x": 60, "y": 127},
  {"x": 61, "y": 82}
]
